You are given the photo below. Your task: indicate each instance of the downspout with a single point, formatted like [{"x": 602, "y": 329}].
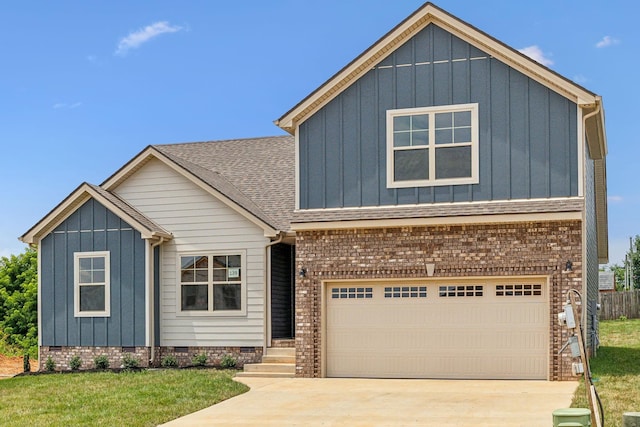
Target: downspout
[
  {"x": 585, "y": 288},
  {"x": 267, "y": 281},
  {"x": 152, "y": 321},
  {"x": 588, "y": 116}
]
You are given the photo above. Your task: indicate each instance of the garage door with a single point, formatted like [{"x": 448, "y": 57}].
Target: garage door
[{"x": 483, "y": 330}]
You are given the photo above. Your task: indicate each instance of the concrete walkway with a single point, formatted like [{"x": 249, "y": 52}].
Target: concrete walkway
[{"x": 369, "y": 402}]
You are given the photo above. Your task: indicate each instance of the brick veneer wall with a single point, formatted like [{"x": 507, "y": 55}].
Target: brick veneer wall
[
  {"x": 61, "y": 356},
  {"x": 491, "y": 250},
  {"x": 214, "y": 354}
]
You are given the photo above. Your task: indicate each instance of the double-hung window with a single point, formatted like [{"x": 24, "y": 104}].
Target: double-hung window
[
  {"x": 432, "y": 146},
  {"x": 212, "y": 283},
  {"x": 91, "y": 284}
]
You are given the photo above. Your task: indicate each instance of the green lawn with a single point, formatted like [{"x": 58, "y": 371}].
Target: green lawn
[
  {"x": 145, "y": 398},
  {"x": 616, "y": 370}
]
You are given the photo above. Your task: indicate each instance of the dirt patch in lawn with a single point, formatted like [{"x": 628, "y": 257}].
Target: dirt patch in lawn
[{"x": 10, "y": 366}]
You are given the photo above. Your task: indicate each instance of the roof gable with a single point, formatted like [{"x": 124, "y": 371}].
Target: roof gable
[
  {"x": 254, "y": 177},
  {"x": 147, "y": 228},
  {"x": 426, "y": 15}
]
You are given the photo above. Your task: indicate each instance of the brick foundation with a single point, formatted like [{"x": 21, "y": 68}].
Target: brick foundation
[
  {"x": 184, "y": 355},
  {"x": 62, "y": 356},
  {"x": 491, "y": 250}
]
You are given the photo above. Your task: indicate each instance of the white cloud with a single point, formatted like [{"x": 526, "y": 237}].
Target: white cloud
[
  {"x": 64, "y": 105},
  {"x": 579, "y": 78},
  {"x": 615, "y": 199},
  {"x": 535, "y": 53},
  {"x": 143, "y": 35},
  {"x": 607, "y": 41}
]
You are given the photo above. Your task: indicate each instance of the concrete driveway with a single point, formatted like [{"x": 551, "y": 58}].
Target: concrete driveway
[{"x": 370, "y": 402}]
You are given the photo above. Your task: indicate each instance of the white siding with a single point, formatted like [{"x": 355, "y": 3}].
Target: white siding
[{"x": 199, "y": 222}]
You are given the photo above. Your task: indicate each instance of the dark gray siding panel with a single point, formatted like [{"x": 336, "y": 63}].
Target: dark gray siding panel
[
  {"x": 92, "y": 227},
  {"x": 528, "y": 134},
  {"x": 591, "y": 274}
]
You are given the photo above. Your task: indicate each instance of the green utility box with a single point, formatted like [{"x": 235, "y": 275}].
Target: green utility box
[{"x": 572, "y": 417}]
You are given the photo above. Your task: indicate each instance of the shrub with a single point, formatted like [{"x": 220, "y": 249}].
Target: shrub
[
  {"x": 49, "y": 365},
  {"x": 101, "y": 362},
  {"x": 169, "y": 362},
  {"x": 200, "y": 359},
  {"x": 75, "y": 363},
  {"x": 623, "y": 317},
  {"x": 228, "y": 362},
  {"x": 130, "y": 362}
]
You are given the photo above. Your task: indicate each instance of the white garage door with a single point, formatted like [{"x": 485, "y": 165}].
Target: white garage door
[{"x": 488, "y": 330}]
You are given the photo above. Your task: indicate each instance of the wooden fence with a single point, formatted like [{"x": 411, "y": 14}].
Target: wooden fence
[{"x": 616, "y": 304}]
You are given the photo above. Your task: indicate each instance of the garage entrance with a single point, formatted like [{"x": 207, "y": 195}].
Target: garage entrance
[{"x": 467, "y": 329}]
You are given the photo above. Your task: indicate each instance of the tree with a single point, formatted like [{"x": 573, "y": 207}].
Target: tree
[
  {"x": 632, "y": 261},
  {"x": 19, "y": 300}
]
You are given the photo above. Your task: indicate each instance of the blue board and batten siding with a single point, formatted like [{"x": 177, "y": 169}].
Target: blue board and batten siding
[
  {"x": 92, "y": 227},
  {"x": 528, "y": 133}
]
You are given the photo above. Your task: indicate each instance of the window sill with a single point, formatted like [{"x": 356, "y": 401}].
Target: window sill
[{"x": 438, "y": 183}]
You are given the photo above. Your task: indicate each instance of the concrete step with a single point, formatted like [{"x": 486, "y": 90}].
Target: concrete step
[
  {"x": 273, "y": 351},
  {"x": 287, "y": 368},
  {"x": 268, "y": 358},
  {"x": 266, "y": 374}
]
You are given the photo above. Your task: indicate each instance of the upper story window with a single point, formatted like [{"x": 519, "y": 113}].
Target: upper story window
[
  {"x": 91, "y": 284},
  {"x": 212, "y": 283},
  {"x": 432, "y": 146}
]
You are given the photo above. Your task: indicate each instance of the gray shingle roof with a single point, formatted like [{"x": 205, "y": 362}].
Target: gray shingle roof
[
  {"x": 440, "y": 210},
  {"x": 258, "y": 174},
  {"x": 130, "y": 210}
]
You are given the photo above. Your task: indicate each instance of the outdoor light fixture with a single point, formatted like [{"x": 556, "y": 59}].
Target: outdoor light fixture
[
  {"x": 568, "y": 266},
  {"x": 302, "y": 272}
]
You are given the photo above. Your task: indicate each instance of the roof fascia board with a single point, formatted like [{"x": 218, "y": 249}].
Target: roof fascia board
[
  {"x": 150, "y": 152},
  {"x": 400, "y": 34},
  {"x": 404, "y": 222},
  {"x": 78, "y": 197}
]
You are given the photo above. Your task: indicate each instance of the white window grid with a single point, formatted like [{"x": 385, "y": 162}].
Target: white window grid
[
  {"x": 519, "y": 290},
  {"x": 431, "y": 145}
]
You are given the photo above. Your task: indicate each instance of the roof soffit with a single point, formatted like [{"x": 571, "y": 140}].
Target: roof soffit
[{"x": 424, "y": 16}]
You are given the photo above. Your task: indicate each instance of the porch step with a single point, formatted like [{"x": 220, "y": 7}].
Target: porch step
[
  {"x": 280, "y": 355},
  {"x": 276, "y": 362}
]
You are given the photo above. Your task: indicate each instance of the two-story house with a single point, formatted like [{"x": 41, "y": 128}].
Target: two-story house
[{"x": 436, "y": 200}]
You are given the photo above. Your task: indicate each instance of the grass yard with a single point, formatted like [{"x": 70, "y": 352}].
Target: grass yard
[
  {"x": 145, "y": 398},
  {"x": 617, "y": 370}
]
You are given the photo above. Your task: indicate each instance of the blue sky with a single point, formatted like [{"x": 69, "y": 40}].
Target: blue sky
[{"x": 86, "y": 85}]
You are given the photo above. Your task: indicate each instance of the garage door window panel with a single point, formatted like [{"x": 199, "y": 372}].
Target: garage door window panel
[
  {"x": 461, "y": 291},
  {"x": 519, "y": 290}
]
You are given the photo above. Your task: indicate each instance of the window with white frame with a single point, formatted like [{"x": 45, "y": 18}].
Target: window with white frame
[
  {"x": 432, "y": 146},
  {"x": 212, "y": 283},
  {"x": 91, "y": 284}
]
